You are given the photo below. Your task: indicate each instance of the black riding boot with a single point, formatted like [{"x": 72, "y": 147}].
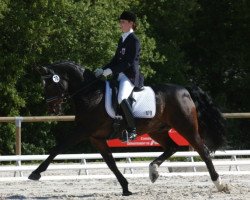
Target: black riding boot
[{"x": 127, "y": 110}]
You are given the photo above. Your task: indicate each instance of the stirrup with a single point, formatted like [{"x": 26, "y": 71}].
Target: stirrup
[{"x": 128, "y": 135}]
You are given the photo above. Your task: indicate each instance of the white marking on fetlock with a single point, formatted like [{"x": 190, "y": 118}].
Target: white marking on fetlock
[
  {"x": 221, "y": 186},
  {"x": 153, "y": 172}
]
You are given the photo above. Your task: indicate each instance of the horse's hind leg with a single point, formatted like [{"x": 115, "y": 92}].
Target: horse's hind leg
[
  {"x": 204, "y": 153},
  {"x": 190, "y": 131},
  {"x": 169, "y": 149}
]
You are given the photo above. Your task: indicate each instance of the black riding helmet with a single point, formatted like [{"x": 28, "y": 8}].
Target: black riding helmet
[{"x": 127, "y": 15}]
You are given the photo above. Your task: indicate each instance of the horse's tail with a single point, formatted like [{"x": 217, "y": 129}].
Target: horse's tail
[{"x": 211, "y": 122}]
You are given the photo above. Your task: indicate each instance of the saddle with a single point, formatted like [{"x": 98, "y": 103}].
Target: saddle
[{"x": 142, "y": 101}]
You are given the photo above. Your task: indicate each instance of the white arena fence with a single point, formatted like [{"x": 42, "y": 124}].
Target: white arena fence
[{"x": 235, "y": 162}]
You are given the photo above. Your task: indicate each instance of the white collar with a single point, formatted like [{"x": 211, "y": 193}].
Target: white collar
[{"x": 125, "y": 35}]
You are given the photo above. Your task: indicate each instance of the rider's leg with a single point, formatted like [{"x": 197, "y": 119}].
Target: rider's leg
[
  {"x": 125, "y": 89},
  {"x": 127, "y": 110}
]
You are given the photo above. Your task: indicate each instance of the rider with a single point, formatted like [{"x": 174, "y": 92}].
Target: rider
[{"x": 125, "y": 68}]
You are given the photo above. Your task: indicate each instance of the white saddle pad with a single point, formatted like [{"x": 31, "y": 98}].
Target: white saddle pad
[{"x": 144, "y": 105}]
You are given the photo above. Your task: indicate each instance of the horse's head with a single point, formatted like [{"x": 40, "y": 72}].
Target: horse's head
[
  {"x": 55, "y": 88},
  {"x": 64, "y": 80}
]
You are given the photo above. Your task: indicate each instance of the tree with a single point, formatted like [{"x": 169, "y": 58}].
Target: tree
[
  {"x": 171, "y": 22},
  {"x": 206, "y": 43},
  {"x": 40, "y": 32}
]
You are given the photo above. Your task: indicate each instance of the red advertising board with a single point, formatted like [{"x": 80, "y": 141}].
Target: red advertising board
[
  {"x": 145, "y": 141},
  {"x": 177, "y": 138},
  {"x": 142, "y": 140}
]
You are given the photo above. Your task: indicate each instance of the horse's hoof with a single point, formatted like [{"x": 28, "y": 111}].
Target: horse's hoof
[
  {"x": 127, "y": 193},
  {"x": 34, "y": 176},
  {"x": 224, "y": 188},
  {"x": 153, "y": 172}
]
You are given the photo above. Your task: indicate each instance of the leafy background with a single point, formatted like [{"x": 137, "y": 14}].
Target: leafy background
[{"x": 184, "y": 42}]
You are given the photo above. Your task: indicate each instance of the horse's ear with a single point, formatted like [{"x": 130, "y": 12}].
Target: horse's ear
[{"x": 42, "y": 70}]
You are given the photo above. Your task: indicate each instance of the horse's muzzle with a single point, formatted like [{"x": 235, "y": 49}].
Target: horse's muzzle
[{"x": 55, "y": 107}]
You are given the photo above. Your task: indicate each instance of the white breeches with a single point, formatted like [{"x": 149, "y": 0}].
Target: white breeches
[{"x": 125, "y": 87}]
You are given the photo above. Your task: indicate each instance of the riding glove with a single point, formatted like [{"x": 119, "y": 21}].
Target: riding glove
[
  {"x": 107, "y": 72},
  {"x": 98, "y": 72}
]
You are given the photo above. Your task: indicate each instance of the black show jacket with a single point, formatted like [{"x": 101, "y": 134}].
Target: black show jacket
[{"x": 126, "y": 60}]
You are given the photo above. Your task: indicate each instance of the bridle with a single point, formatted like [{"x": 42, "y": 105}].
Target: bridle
[
  {"x": 64, "y": 95},
  {"x": 56, "y": 80},
  {"x": 56, "y": 88}
]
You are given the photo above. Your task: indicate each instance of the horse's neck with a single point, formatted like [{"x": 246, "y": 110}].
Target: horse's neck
[
  {"x": 75, "y": 87},
  {"x": 90, "y": 97}
]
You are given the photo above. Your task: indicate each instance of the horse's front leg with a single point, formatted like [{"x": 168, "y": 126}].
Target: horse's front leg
[
  {"x": 102, "y": 146},
  {"x": 36, "y": 174},
  {"x": 71, "y": 140}
]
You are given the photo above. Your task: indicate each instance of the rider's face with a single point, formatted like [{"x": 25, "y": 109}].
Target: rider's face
[{"x": 125, "y": 25}]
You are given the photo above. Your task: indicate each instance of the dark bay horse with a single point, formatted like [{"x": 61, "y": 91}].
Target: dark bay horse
[{"x": 189, "y": 111}]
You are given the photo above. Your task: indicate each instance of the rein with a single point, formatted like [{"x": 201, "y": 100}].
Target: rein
[{"x": 82, "y": 89}]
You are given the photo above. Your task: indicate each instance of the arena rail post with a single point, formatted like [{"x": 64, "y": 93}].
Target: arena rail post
[{"x": 18, "y": 122}]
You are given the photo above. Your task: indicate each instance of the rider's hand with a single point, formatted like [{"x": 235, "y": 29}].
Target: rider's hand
[
  {"x": 98, "y": 72},
  {"x": 107, "y": 72}
]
